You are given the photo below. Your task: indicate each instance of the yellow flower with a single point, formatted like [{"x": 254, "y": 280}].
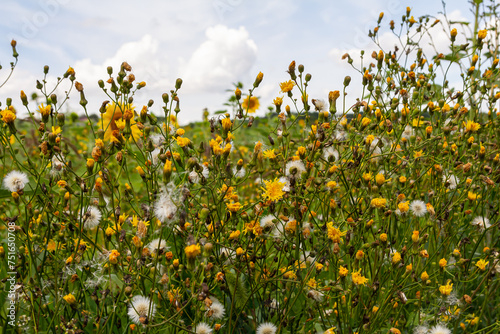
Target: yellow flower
[
  {"x": 378, "y": 202},
  {"x": 404, "y": 206},
  {"x": 472, "y": 196},
  {"x": 343, "y": 271},
  {"x": 380, "y": 179},
  {"x": 334, "y": 234},
  {"x": 471, "y": 126},
  {"x": 233, "y": 207},
  {"x": 250, "y": 103},
  {"x": 8, "y": 116},
  {"x": 113, "y": 256},
  {"x": 446, "y": 289},
  {"x": 182, "y": 141},
  {"x": 269, "y": 154},
  {"x": 287, "y": 86},
  {"x": 192, "y": 251},
  {"x": 481, "y": 264},
  {"x": 443, "y": 263},
  {"x": 226, "y": 123},
  {"x": 365, "y": 121},
  {"x": 234, "y": 235},
  {"x": 424, "y": 276},
  {"x": 396, "y": 257},
  {"x": 358, "y": 279},
  {"x": 44, "y": 110},
  {"x": 418, "y": 154},
  {"x": 114, "y": 120},
  {"x": 274, "y": 190},
  {"x": 70, "y": 299},
  {"x": 61, "y": 183},
  {"x": 481, "y": 34}
]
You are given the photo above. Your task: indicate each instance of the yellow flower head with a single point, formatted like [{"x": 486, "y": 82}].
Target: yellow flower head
[
  {"x": 334, "y": 234},
  {"x": 378, "y": 202},
  {"x": 446, "y": 289},
  {"x": 192, "y": 251},
  {"x": 250, "y": 103},
  {"x": 273, "y": 190},
  {"x": 358, "y": 279},
  {"x": 114, "y": 120},
  {"x": 287, "y": 86}
]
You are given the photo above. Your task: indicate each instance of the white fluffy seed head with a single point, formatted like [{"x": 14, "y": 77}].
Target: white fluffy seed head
[
  {"x": 203, "y": 328},
  {"x": 91, "y": 217},
  {"x": 418, "y": 208},
  {"x": 164, "y": 208},
  {"x": 141, "y": 306},
  {"x": 295, "y": 165},
  {"x": 15, "y": 181},
  {"x": 266, "y": 328},
  {"x": 218, "y": 310},
  {"x": 439, "y": 329}
]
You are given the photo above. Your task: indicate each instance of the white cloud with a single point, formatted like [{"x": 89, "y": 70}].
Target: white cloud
[{"x": 225, "y": 57}]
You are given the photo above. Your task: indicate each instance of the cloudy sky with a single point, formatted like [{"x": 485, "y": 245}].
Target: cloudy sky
[{"x": 210, "y": 44}]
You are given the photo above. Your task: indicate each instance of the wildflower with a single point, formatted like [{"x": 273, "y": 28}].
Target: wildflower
[
  {"x": 378, "y": 203},
  {"x": 15, "y": 181},
  {"x": 91, "y": 218},
  {"x": 114, "y": 120},
  {"x": 365, "y": 122},
  {"x": 443, "y": 263},
  {"x": 250, "y": 103},
  {"x": 8, "y": 116},
  {"x": 192, "y": 251},
  {"x": 380, "y": 179},
  {"x": 359, "y": 255},
  {"x": 481, "y": 264},
  {"x": 330, "y": 330},
  {"x": 424, "y": 276},
  {"x": 274, "y": 190},
  {"x": 446, "y": 289},
  {"x": 472, "y": 196},
  {"x": 418, "y": 208},
  {"x": 330, "y": 154},
  {"x": 164, "y": 208},
  {"x": 418, "y": 154},
  {"x": 141, "y": 309},
  {"x": 217, "y": 310},
  {"x": 113, "y": 256},
  {"x": 287, "y": 86},
  {"x": 267, "y": 222},
  {"x": 471, "y": 126},
  {"x": 294, "y": 167},
  {"x": 415, "y": 236},
  {"x": 334, "y": 233},
  {"x": 481, "y": 34},
  {"x": 403, "y": 207},
  {"x": 439, "y": 329},
  {"x": 451, "y": 181},
  {"x": 44, "y": 110},
  {"x": 266, "y": 328},
  {"x": 157, "y": 245},
  {"x": 183, "y": 141},
  {"x": 203, "y": 328},
  {"x": 358, "y": 279},
  {"x": 269, "y": 154},
  {"x": 70, "y": 299},
  {"x": 343, "y": 271},
  {"x": 396, "y": 257},
  {"x": 234, "y": 207}
]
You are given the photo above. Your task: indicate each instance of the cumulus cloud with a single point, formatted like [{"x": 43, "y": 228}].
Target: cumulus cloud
[{"x": 224, "y": 57}]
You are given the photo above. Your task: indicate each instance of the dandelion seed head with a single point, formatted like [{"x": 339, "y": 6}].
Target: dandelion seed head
[
  {"x": 452, "y": 181},
  {"x": 203, "y": 328},
  {"x": 91, "y": 217},
  {"x": 156, "y": 245},
  {"x": 481, "y": 222},
  {"x": 330, "y": 154},
  {"x": 266, "y": 328},
  {"x": 141, "y": 306},
  {"x": 295, "y": 165},
  {"x": 164, "y": 207},
  {"x": 15, "y": 181},
  {"x": 218, "y": 310},
  {"x": 418, "y": 208},
  {"x": 439, "y": 329}
]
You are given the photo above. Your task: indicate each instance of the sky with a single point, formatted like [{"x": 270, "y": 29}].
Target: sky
[{"x": 210, "y": 44}]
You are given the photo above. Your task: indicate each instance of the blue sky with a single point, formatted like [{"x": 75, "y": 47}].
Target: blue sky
[{"x": 210, "y": 44}]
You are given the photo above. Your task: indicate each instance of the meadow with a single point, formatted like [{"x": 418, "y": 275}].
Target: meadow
[{"x": 321, "y": 217}]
